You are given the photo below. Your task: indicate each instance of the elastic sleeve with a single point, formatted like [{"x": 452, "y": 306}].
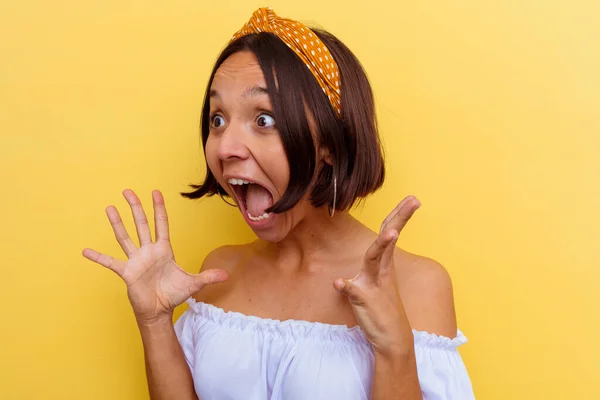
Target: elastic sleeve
[{"x": 442, "y": 373}]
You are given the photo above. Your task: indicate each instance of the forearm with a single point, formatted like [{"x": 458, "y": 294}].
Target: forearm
[
  {"x": 167, "y": 372},
  {"x": 395, "y": 377}
]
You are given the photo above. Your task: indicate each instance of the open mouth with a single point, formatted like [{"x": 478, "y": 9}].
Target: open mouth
[{"x": 252, "y": 198}]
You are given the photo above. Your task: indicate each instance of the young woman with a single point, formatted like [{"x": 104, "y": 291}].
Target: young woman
[{"x": 319, "y": 306}]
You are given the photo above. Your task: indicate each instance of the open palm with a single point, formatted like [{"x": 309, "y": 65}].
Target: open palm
[
  {"x": 373, "y": 292},
  {"x": 155, "y": 283}
]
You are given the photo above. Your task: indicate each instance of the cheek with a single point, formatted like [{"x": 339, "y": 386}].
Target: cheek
[
  {"x": 278, "y": 163},
  {"x": 212, "y": 156}
]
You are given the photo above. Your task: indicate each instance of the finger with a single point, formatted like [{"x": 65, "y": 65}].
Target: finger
[
  {"x": 398, "y": 221},
  {"x": 120, "y": 232},
  {"x": 109, "y": 262},
  {"x": 386, "y": 262},
  {"x": 374, "y": 254},
  {"x": 139, "y": 216},
  {"x": 393, "y": 213},
  {"x": 208, "y": 277},
  {"x": 348, "y": 288},
  {"x": 344, "y": 286},
  {"x": 161, "y": 220}
]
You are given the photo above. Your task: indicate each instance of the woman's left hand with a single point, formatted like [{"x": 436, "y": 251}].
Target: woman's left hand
[{"x": 374, "y": 292}]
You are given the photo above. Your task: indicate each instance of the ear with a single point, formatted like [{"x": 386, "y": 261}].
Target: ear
[{"x": 325, "y": 156}]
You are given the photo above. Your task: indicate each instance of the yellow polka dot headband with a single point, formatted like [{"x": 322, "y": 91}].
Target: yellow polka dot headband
[{"x": 305, "y": 44}]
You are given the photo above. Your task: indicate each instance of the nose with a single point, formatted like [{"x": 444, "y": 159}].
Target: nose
[{"x": 232, "y": 144}]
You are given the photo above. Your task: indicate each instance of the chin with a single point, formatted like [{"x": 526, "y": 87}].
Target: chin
[
  {"x": 275, "y": 230},
  {"x": 271, "y": 237},
  {"x": 272, "y": 234}
]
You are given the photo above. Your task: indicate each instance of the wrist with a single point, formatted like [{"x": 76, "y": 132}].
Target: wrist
[
  {"x": 157, "y": 321},
  {"x": 401, "y": 346}
]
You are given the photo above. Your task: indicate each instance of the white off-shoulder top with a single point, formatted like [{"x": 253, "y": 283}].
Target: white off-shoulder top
[{"x": 233, "y": 356}]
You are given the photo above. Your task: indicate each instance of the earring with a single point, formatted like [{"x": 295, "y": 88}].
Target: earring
[
  {"x": 223, "y": 198},
  {"x": 331, "y": 209}
]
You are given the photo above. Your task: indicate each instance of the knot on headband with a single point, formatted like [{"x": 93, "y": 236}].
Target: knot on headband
[{"x": 306, "y": 44}]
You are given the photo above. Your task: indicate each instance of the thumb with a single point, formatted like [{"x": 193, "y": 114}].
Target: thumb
[
  {"x": 208, "y": 277},
  {"x": 348, "y": 288}
]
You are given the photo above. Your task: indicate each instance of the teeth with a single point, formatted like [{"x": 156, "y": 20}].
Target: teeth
[
  {"x": 234, "y": 181},
  {"x": 259, "y": 218}
]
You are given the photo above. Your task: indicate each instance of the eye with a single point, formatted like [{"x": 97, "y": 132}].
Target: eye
[
  {"x": 217, "y": 121},
  {"x": 265, "y": 121}
]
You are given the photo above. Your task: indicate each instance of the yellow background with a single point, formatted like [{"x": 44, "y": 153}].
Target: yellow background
[{"x": 489, "y": 114}]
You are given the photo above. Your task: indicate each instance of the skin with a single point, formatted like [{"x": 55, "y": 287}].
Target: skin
[{"x": 305, "y": 265}]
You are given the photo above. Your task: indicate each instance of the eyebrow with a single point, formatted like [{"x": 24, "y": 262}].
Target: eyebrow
[{"x": 250, "y": 92}]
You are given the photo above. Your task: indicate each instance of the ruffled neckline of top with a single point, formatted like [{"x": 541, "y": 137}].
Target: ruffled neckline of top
[{"x": 314, "y": 331}]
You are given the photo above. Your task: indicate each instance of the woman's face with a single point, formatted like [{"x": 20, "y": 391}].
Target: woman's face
[{"x": 244, "y": 151}]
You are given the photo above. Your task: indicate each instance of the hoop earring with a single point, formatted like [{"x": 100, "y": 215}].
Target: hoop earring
[
  {"x": 223, "y": 198},
  {"x": 331, "y": 209}
]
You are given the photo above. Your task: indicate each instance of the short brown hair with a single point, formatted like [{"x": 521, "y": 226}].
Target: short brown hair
[{"x": 352, "y": 140}]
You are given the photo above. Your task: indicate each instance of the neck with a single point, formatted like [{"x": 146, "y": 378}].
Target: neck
[{"x": 316, "y": 239}]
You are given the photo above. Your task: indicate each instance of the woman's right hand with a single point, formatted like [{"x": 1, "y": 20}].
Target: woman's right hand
[{"x": 155, "y": 283}]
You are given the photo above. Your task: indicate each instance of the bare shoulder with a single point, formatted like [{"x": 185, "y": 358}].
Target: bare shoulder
[
  {"x": 227, "y": 258},
  {"x": 224, "y": 257},
  {"x": 427, "y": 294}
]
